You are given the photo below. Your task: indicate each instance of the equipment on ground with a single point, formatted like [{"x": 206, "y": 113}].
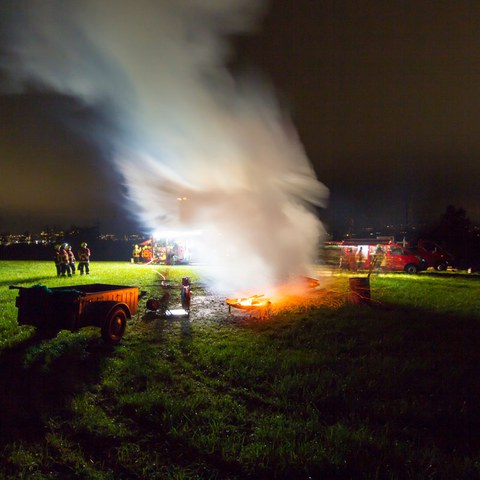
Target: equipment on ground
[{"x": 161, "y": 305}]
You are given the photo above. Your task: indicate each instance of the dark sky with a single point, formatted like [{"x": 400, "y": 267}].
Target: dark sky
[
  {"x": 51, "y": 176},
  {"x": 385, "y": 97}
]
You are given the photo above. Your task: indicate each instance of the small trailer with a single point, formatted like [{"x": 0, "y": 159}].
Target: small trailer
[{"x": 77, "y": 306}]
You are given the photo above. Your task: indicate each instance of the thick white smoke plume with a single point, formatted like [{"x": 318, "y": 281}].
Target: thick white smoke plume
[{"x": 190, "y": 129}]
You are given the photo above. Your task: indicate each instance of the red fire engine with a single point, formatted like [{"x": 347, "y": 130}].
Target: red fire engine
[
  {"x": 165, "y": 250},
  {"x": 366, "y": 254}
]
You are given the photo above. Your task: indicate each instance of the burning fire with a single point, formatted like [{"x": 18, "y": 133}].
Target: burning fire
[
  {"x": 249, "y": 303},
  {"x": 304, "y": 293}
]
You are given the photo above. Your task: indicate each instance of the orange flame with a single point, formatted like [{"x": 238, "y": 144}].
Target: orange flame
[
  {"x": 249, "y": 303},
  {"x": 305, "y": 293}
]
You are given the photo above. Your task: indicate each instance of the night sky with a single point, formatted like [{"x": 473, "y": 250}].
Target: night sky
[{"x": 385, "y": 97}]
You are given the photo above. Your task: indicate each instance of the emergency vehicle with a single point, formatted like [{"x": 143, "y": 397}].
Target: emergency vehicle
[
  {"x": 366, "y": 254},
  {"x": 433, "y": 254},
  {"x": 165, "y": 250}
]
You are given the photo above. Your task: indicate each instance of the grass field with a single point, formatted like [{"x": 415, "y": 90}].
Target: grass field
[{"x": 389, "y": 390}]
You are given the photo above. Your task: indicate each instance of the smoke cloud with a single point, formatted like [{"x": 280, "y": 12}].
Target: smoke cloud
[{"x": 187, "y": 127}]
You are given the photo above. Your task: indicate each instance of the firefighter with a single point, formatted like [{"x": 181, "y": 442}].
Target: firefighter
[
  {"x": 58, "y": 260},
  {"x": 71, "y": 259},
  {"x": 147, "y": 254},
  {"x": 351, "y": 260},
  {"x": 64, "y": 261},
  {"x": 379, "y": 258},
  {"x": 83, "y": 259},
  {"x": 344, "y": 261},
  {"x": 136, "y": 254},
  {"x": 360, "y": 258}
]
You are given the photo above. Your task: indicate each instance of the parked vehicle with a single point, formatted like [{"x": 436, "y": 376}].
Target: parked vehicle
[
  {"x": 435, "y": 256},
  {"x": 77, "y": 306},
  {"x": 368, "y": 254}
]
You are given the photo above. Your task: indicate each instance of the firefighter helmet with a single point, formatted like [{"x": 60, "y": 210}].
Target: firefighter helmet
[
  {"x": 83, "y": 245},
  {"x": 57, "y": 247}
]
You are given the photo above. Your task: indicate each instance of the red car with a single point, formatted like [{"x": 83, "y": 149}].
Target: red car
[{"x": 435, "y": 256}]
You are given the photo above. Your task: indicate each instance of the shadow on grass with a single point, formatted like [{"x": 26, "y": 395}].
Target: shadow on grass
[
  {"x": 385, "y": 390},
  {"x": 453, "y": 276},
  {"x": 162, "y": 322},
  {"x": 39, "y": 376},
  {"x": 420, "y": 373}
]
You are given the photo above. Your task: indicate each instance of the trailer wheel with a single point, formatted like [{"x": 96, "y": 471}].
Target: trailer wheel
[
  {"x": 441, "y": 267},
  {"x": 411, "y": 268},
  {"x": 114, "y": 325}
]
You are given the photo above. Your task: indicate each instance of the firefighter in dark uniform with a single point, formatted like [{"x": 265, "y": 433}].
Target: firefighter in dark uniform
[
  {"x": 65, "y": 263},
  {"x": 58, "y": 260},
  {"x": 360, "y": 258},
  {"x": 71, "y": 259},
  {"x": 83, "y": 259}
]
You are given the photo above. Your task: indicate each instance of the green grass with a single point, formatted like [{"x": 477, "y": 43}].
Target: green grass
[{"x": 388, "y": 390}]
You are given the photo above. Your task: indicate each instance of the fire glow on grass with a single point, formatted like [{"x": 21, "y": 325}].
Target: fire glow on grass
[{"x": 305, "y": 293}]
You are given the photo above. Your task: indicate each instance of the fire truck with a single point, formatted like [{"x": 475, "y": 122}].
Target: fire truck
[
  {"x": 165, "y": 251},
  {"x": 368, "y": 254}
]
